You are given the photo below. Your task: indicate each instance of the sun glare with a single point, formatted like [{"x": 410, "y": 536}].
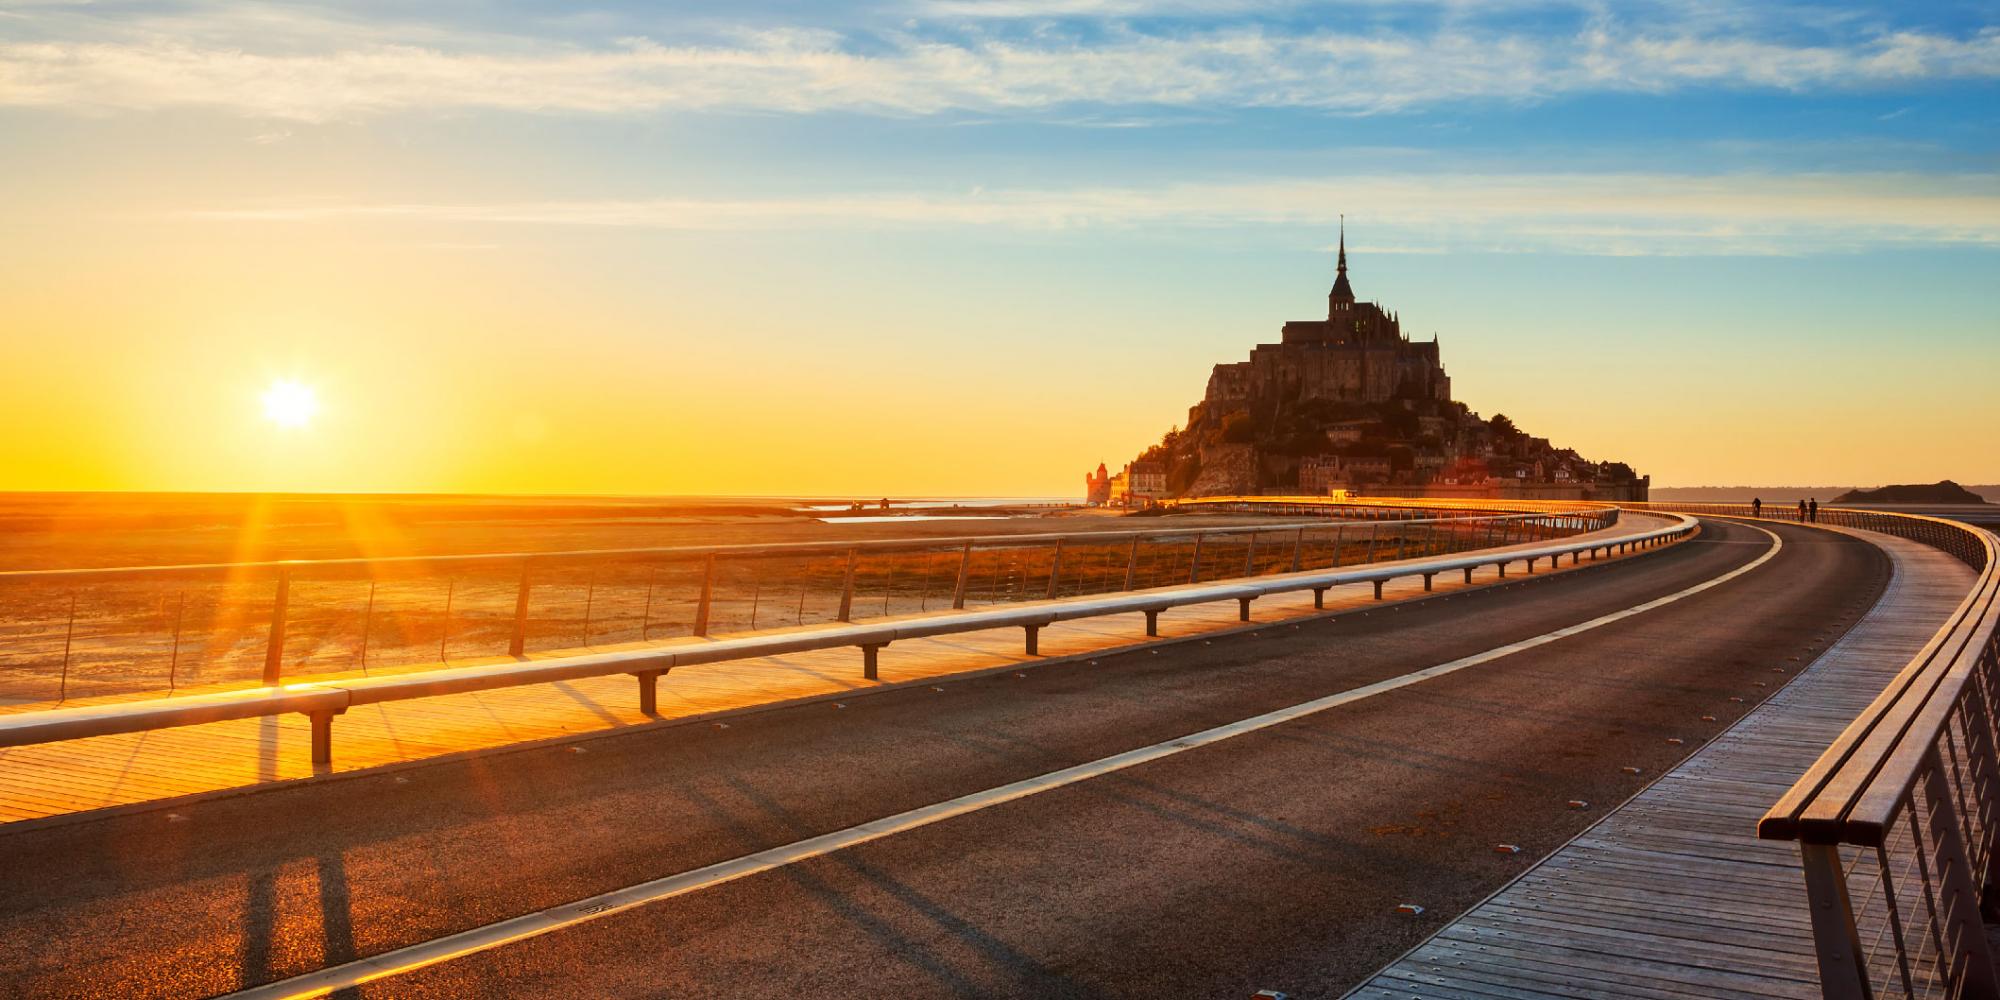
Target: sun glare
[{"x": 290, "y": 404}]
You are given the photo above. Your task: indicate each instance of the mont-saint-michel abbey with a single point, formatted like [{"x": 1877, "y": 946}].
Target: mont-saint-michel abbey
[
  {"x": 1350, "y": 403},
  {"x": 1357, "y": 354}
]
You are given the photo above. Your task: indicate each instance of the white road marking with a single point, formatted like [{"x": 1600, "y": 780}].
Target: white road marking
[{"x": 495, "y": 935}]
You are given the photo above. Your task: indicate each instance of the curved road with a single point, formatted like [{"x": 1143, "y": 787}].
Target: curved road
[{"x": 1275, "y": 859}]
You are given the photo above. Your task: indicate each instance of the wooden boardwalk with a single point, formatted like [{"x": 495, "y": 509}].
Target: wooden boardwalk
[
  {"x": 60, "y": 779},
  {"x": 1673, "y": 896}
]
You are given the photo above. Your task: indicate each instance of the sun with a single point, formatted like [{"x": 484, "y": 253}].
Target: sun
[{"x": 290, "y": 404}]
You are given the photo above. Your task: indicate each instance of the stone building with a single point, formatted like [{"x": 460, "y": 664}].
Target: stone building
[
  {"x": 1147, "y": 479},
  {"x": 1097, "y": 487},
  {"x": 1139, "y": 484},
  {"x": 1357, "y": 354}
]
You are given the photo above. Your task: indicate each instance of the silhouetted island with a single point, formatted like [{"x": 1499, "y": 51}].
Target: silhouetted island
[
  {"x": 1944, "y": 491},
  {"x": 1351, "y": 403}
]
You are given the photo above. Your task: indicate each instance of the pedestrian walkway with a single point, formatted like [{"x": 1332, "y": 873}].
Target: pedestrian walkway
[
  {"x": 47, "y": 781},
  {"x": 1672, "y": 896}
]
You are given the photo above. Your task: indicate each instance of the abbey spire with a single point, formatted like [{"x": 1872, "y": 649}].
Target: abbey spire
[{"x": 1343, "y": 293}]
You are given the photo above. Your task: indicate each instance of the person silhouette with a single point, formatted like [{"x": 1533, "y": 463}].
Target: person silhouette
[
  {"x": 1802, "y": 511},
  {"x": 1812, "y": 510},
  {"x": 1756, "y": 506}
]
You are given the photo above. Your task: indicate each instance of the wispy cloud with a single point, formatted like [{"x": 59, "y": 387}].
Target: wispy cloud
[
  {"x": 1002, "y": 9},
  {"x": 1597, "y": 214},
  {"x": 360, "y": 71}
]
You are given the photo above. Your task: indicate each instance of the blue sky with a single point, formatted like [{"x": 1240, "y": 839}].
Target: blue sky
[{"x": 1632, "y": 224}]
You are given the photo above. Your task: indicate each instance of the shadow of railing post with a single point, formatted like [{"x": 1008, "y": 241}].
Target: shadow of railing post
[{"x": 274, "y": 646}]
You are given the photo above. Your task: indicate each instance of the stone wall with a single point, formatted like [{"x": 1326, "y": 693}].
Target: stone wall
[{"x": 1226, "y": 470}]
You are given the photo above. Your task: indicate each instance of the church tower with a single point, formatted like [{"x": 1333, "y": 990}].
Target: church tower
[{"x": 1341, "y": 299}]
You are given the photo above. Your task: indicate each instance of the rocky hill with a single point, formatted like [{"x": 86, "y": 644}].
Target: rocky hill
[
  {"x": 1943, "y": 491},
  {"x": 1352, "y": 403}
]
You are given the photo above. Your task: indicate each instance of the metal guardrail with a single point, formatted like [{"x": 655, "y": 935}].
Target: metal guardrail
[
  {"x": 322, "y": 701},
  {"x": 1898, "y": 822},
  {"x": 135, "y": 630}
]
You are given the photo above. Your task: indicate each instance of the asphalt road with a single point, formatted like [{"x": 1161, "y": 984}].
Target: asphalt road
[{"x": 1273, "y": 860}]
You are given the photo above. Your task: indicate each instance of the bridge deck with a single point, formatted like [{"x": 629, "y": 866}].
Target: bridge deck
[
  {"x": 54, "y": 780},
  {"x": 1672, "y": 895}
]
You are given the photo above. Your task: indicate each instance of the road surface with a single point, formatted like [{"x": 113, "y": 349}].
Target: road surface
[{"x": 1274, "y": 859}]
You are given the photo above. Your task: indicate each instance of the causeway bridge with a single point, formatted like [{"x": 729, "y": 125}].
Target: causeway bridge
[{"x": 1368, "y": 748}]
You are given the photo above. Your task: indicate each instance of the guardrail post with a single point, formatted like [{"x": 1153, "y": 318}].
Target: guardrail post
[
  {"x": 1243, "y": 608},
  {"x": 964, "y": 576},
  {"x": 1034, "y": 639},
  {"x": 870, "y": 659},
  {"x": 517, "y": 644},
  {"x": 1152, "y": 623},
  {"x": 1468, "y": 574},
  {"x": 707, "y": 592},
  {"x": 69, "y": 635},
  {"x": 367, "y": 623},
  {"x": 649, "y": 690},
  {"x": 1427, "y": 582},
  {"x": 1971, "y": 964},
  {"x": 451, "y": 591},
  {"x": 1055, "y": 570},
  {"x": 274, "y": 649},
  {"x": 174, "y": 660},
  {"x": 646, "y": 616},
  {"x": 322, "y": 735},
  {"x": 847, "y": 589},
  {"x": 1378, "y": 590},
  {"x": 1319, "y": 598}
]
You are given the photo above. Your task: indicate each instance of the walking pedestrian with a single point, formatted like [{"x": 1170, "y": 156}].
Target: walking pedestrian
[
  {"x": 1802, "y": 512},
  {"x": 1756, "y": 506},
  {"x": 1812, "y": 510}
]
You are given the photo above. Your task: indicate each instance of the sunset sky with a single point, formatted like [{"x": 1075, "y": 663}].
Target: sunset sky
[{"x": 959, "y": 247}]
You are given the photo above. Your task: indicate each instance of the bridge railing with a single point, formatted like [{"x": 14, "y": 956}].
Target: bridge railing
[
  {"x": 1423, "y": 549},
  {"x": 66, "y": 634},
  {"x": 1898, "y": 822},
  {"x": 1952, "y": 537}
]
